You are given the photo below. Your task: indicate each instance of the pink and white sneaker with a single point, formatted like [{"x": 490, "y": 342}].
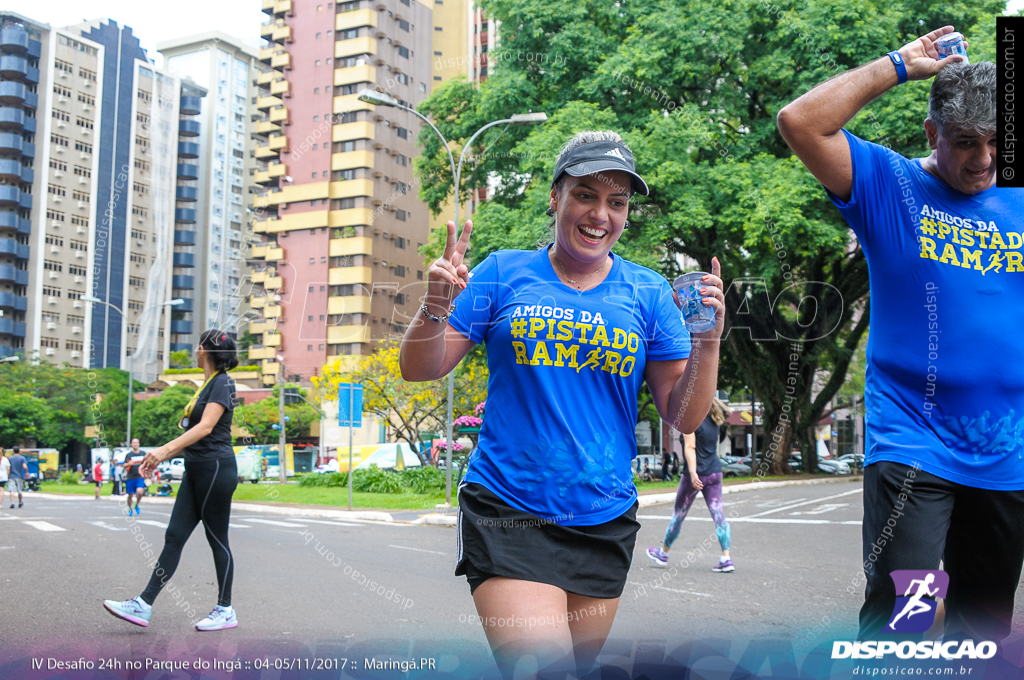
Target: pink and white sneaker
[
  {"x": 133, "y": 611},
  {"x": 220, "y": 618}
]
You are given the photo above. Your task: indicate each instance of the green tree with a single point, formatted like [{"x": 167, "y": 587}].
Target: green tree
[
  {"x": 694, "y": 87},
  {"x": 155, "y": 421},
  {"x": 259, "y": 418},
  {"x": 22, "y": 416},
  {"x": 181, "y": 358}
]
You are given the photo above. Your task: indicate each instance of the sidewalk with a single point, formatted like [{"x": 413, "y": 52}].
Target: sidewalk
[{"x": 444, "y": 517}]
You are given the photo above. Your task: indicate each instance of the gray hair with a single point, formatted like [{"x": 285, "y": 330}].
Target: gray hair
[{"x": 963, "y": 97}]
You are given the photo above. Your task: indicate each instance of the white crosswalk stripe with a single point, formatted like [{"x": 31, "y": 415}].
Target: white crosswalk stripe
[
  {"x": 277, "y": 524},
  {"x": 45, "y": 526},
  {"x": 335, "y": 524},
  {"x": 152, "y": 523},
  {"x": 108, "y": 527}
]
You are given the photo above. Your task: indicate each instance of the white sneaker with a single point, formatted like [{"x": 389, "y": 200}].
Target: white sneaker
[
  {"x": 220, "y": 618},
  {"x": 131, "y": 611}
]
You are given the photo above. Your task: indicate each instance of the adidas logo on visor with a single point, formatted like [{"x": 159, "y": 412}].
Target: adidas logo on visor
[{"x": 616, "y": 153}]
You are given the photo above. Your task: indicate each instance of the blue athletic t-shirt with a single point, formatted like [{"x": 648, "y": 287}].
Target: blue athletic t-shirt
[
  {"x": 565, "y": 367},
  {"x": 945, "y": 372}
]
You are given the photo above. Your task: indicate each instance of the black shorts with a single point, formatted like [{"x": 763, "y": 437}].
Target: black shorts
[{"x": 495, "y": 539}]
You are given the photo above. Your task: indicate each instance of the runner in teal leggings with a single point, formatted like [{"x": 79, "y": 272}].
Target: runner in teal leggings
[{"x": 702, "y": 471}]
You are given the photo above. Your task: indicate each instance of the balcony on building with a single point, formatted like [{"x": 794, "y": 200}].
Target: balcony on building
[
  {"x": 184, "y": 260},
  {"x": 182, "y": 281},
  {"x": 188, "y": 150},
  {"x": 11, "y": 143},
  {"x": 11, "y": 196},
  {"x": 277, "y": 7},
  {"x": 188, "y": 128},
  {"x": 185, "y": 306},
  {"x": 14, "y": 171},
  {"x": 185, "y": 215},
  {"x": 190, "y": 106},
  {"x": 12, "y": 119},
  {"x": 11, "y": 301},
  {"x": 11, "y": 327},
  {"x": 11, "y": 220},
  {"x": 186, "y": 194},
  {"x": 269, "y": 252},
  {"x": 349, "y": 304},
  {"x": 345, "y": 334},
  {"x": 187, "y": 171},
  {"x": 181, "y": 346},
  {"x": 14, "y": 39},
  {"x": 9, "y": 274},
  {"x": 184, "y": 238},
  {"x": 13, "y": 67},
  {"x": 181, "y": 327},
  {"x": 357, "y": 245},
  {"x": 8, "y": 246}
]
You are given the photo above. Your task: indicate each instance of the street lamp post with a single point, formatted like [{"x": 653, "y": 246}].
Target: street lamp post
[
  {"x": 131, "y": 357},
  {"x": 382, "y": 99}
]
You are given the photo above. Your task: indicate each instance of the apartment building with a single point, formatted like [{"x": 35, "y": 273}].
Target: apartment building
[
  {"x": 222, "y": 197},
  {"x": 337, "y": 267},
  {"x": 20, "y": 52},
  {"x": 94, "y": 129}
]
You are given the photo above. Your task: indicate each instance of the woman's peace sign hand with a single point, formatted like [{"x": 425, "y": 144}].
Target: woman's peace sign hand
[{"x": 449, "y": 275}]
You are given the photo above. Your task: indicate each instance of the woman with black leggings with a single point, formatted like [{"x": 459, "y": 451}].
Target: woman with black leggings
[{"x": 207, "y": 485}]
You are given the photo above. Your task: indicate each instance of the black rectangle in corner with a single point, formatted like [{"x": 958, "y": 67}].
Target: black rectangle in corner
[{"x": 1009, "y": 102}]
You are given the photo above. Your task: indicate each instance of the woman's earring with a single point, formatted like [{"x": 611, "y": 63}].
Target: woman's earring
[
  {"x": 625, "y": 225},
  {"x": 550, "y": 212}
]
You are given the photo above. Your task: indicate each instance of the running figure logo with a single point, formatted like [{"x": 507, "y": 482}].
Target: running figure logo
[{"x": 915, "y": 609}]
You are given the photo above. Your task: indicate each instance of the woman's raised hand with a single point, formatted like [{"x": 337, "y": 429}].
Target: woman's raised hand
[{"x": 449, "y": 275}]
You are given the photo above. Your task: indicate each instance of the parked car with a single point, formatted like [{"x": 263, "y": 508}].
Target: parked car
[
  {"x": 854, "y": 460},
  {"x": 834, "y": 467},
  {"x": 173, "y": 469},
  {"x": 730, "y": 469}
]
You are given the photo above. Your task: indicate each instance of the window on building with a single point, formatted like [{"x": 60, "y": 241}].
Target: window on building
[
  {"x": 83, "y": 147},
  {"x": 83, "y": 172},
  {"x": 62, "y": 115},
  {"x": 59, "y": 140},
  {"x": 400, "y": 215},
  {"x": 86, "y": 99},
  {"x": 403, "y": 52},
  {"x": 348, "y": 35},
  {"x": 60, "y": 90},
  {"x": 58, "y": 165},
  {"x": 403, "y": 24}
]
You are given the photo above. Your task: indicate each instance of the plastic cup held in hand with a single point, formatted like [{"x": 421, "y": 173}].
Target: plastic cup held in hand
[{"x": 697, "y": 316}]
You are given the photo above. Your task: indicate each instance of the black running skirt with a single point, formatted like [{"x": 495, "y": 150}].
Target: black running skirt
[{"x": 495, "y": 539}]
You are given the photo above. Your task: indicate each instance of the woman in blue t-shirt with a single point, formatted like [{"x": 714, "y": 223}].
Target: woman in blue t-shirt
[
  {"x": 207, "y": 486},
  {"x": 547, "y": 508}
]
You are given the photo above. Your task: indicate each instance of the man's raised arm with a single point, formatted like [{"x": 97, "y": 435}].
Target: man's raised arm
[{"x": 812, "y": 125}]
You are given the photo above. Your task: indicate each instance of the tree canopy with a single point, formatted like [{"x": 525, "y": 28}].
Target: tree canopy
[{"x": 694, "y": 88}]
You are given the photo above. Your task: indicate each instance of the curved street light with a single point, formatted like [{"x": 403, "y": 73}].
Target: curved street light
[
  {"x": 131, "y": 357},
  {"x": 382, "y": 99}
]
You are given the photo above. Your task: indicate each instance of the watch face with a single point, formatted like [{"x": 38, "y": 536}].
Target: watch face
[{"x": 183, "y": 423}]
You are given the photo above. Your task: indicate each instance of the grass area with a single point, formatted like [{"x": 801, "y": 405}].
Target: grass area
[{"x": 291, "y": 493}]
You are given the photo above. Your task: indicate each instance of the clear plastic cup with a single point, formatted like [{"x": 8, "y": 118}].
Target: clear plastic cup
[{"x": 697, "y": 316}]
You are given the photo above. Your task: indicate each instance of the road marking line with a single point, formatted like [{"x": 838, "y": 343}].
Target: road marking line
[
  {"x": 335, "y": 524},
  {"x": 671, "y": 590},
  {"x": 152, "y": 523},
  {"x": 758, "y": 520},
  {"x": 821, "y": 509},
  {"x": 277, "y": 524},
  {"x": 405, "y": 547},
  {"x": 45, "y": 526},
  {"x": 797, "y": 505},
  {"x": 239, "y": 526},
  {"x": 6, "y": 547},
  {"x": 108, "y": 527}
]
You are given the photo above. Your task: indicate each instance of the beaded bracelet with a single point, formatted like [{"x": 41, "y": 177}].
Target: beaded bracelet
[{"x": 435, "y": 318}]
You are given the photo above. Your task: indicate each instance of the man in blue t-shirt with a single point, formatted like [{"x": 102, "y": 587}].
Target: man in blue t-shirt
[
  {"x": 945, "y": 387},
  {"x": 18, "y": 474}
]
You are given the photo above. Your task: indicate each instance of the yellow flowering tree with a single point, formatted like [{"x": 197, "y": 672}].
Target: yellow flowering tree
[{"x": 408, "y": 407}]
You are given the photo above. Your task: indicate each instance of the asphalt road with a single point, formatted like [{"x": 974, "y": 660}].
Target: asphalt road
[{"x": 796, "y": 550}]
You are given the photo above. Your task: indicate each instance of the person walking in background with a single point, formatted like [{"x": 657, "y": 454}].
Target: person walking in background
[
  {"x": 135, "y": 485},
  {"x": 666, "y": 462},
  {"x": 558, "y": 466},
  {"x": 5, "y": 473},
  {"x": 702, "y": 471},
  {"x": 17, "y": 475},
  {"x": 209, "y": 481},
  {"x": 115, "y": 475},
  {"x": 943, "y": 248},
  {"x": 97, "y": 476}
]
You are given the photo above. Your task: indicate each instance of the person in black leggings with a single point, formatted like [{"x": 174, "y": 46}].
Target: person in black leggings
[{"x": 207, "y": 485}]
